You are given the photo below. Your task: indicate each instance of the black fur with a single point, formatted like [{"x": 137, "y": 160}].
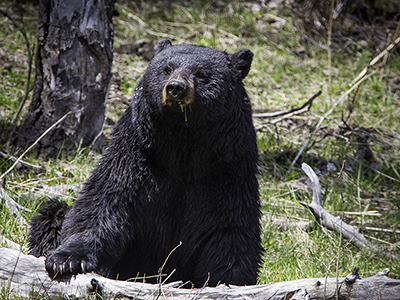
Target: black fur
[
  {"x": 172, "y": 174},
  {"x": 45, "y": 227}
]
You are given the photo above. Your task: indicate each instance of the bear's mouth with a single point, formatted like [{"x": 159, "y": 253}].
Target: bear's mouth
[
  {"x": 176, "y": 104},
  {"x": 180, "y": 106}
]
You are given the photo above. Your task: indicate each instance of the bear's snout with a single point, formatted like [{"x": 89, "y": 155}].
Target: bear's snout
[
  {"x": 175, "y": 90},
  {"x": 178, "y": 92}
]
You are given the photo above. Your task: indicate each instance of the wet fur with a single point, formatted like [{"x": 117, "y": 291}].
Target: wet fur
[{"x": 167, "y": 178}]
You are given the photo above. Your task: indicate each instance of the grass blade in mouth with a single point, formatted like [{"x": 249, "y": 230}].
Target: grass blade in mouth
[{"x": 183, "y": 109}]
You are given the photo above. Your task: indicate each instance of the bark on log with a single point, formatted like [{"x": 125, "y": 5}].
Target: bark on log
[
  {"x": 73, "y": 71},
  {"x": 24, "y": 275}
]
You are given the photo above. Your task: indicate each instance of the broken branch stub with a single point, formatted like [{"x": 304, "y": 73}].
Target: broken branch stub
[{"x": 326, "y": 219}]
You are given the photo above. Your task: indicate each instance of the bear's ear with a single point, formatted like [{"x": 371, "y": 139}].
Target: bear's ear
[
  {"x": 163, "y": 44},
  {"x": 241, "y": 61}
]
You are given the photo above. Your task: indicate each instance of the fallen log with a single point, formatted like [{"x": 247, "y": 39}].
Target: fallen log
[{"x": 25, "y": 276}]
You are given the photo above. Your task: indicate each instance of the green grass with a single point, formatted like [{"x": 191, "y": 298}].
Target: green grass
[{"x": 282, "y": 76}]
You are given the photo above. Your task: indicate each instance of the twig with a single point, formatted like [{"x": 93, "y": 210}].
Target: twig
[
  {"x": 396, "y": 34},
  {"x": 299, "y": 154},
  {"x": 288, "y": 111},
  {"x": 382, "y": 229},
  {"x": 166, "y": 259},
  {"x": 395, "y": 171},
  {"x": 168, "y": 277},
  {"x": 339, "y": 136},
  {"x": 376, "y": 59},
  {"x": 329, "y": 44},
  {"x": 371, "y": 213},
  {"x": 385, "y": 57},
  {"x": 8, "y": 288},
  {"x": 273, "y": 122},
  {"x": 387, "y": 176},
  {"x": 24, "y": 163},
  {"x": 31, "y": 146},
  {"x": 341, "y": 230},
  {"x": 160, "y": 282},
  {"x": 361, "y": 80}
]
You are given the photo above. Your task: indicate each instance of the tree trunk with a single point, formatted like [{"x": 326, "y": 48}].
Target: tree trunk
[{"x": 73, "y": 71}]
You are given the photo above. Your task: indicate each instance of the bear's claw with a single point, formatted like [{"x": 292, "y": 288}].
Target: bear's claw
[{"x": 60, "y": 264}]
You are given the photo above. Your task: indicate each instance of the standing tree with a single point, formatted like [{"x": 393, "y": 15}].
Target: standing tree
[{"x": 73, "y": 71}]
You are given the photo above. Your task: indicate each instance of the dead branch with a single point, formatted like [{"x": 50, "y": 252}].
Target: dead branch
[
  {"x": 22, "y": 275},
  {"x": 392, "y": 231},
  {"x": 376, "y": 59},
  {"x": 24, "y": 163},
  {"x": 306, "y": 105},
  {"x": 326, "y": 219}
]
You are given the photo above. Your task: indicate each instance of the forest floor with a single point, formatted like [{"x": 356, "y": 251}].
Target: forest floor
[{"x": 351, "y": 139}]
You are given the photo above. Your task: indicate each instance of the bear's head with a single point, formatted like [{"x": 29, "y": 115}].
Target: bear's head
[{"x": 198, "y": 79}]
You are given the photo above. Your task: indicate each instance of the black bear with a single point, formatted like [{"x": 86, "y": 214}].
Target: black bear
[{"x": 181, "y": 169}]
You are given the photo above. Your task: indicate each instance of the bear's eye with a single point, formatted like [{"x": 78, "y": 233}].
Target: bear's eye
[
  {"x": 201, "y": 74},
  {"x": 168, "y": 70}
]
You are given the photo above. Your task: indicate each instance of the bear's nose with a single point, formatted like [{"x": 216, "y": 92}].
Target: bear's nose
[{"x": 175, "y": 89}]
